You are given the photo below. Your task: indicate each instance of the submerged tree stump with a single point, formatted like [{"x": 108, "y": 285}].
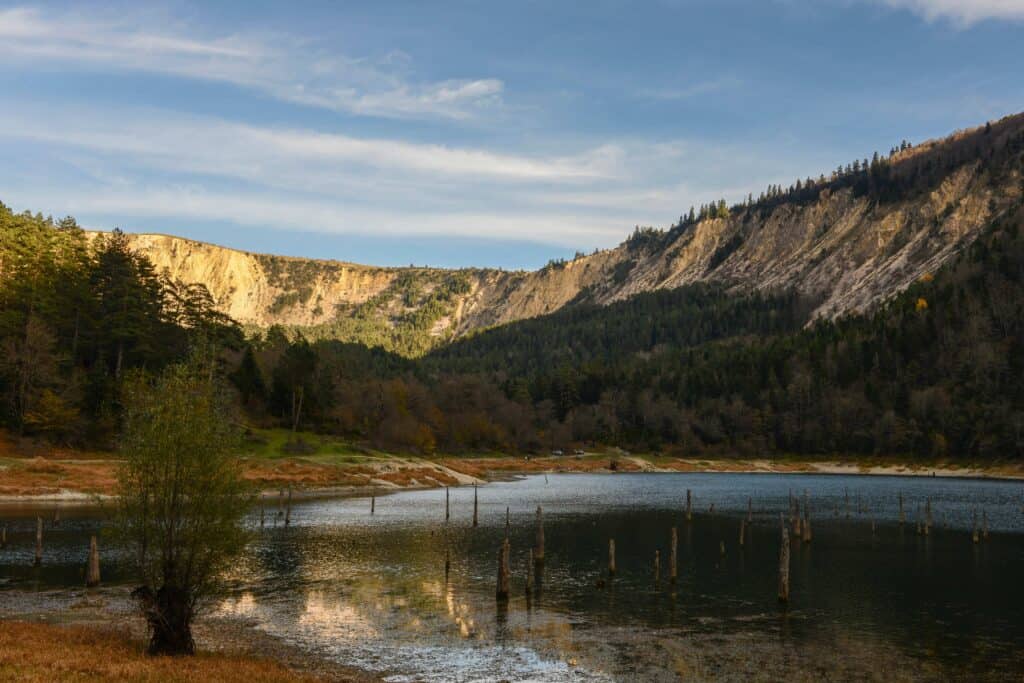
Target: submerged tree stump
[
  {"x": 689, "y": 506},
  {"x": 288, "y": 509},
  {"x": 984, "y": 525},
  {"x": 539, "y": 556},
  {"x": 373, "y": 504},
  {"x": 657, "y": 566},
  {"x": 673, "y": 555},
  {"x": 39, "y": 541},
  {"x": 447, "y": 504},
  {"x": 784, "y": 564},
  {"x": 447, "y": 562},
  {"x": 92, "y": 574},
  {"x": 974, "y": 532},
  {"x": 529, "y": 575},
  {"x": 503, "y": 571},
  {"x": 743, "y": 529},
  {"x": 750, "y": 510},
  {"x": 899, "y": 498},
  {"x": 611, "y": 557},
  {"x": 475, "y": 503}
]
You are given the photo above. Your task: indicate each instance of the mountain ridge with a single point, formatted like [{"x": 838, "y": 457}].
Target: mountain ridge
[{"x": 846, "y": 242}]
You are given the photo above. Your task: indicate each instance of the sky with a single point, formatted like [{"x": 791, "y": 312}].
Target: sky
[{"x": 470, "y": 132}]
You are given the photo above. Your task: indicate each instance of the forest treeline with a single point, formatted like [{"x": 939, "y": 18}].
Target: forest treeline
[
  {"x": 76, "y": 317},
  {"x": 938, "y": 371}
]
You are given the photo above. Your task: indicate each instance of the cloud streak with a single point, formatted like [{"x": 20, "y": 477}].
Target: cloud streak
[
  {"x": 962, "y": 12},
  {"x": 279, "y": 66}
]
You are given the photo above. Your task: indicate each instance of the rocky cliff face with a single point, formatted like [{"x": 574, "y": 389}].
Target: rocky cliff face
[{"x": 848, "y": 243}]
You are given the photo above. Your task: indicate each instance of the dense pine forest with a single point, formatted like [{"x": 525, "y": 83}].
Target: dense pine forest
[
  {"x": 77, "y": 317},
  {"x": 937, "y": 372}
]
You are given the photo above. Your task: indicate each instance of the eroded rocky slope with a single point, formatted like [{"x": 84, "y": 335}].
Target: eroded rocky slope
[{"x": 846, "y": 242}]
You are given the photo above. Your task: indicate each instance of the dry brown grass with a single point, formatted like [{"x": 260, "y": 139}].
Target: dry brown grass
[
  {"x": 41, "y": 476},
  {"x": 32, "y": 652}
]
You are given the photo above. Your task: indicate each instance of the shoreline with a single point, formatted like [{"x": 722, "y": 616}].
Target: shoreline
[{"x": 466, "y": 471}]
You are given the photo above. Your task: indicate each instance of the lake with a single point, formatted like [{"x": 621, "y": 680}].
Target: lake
[{"x": 870, "y": 598}]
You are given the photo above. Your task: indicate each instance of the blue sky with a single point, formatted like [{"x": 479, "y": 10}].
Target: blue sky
[{"x": 471, "y": 132}]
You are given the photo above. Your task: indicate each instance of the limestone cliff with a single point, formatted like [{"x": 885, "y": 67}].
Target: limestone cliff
[{"x": 846, "y": 242}]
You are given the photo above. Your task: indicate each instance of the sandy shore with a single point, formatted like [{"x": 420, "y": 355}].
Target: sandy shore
[{"x": 23, "y": 485}]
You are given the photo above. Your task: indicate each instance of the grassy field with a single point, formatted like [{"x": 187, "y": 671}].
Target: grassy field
[{"x": 41, "y": 653}]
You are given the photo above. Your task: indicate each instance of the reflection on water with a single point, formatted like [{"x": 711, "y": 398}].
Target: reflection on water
[{"x": 371, "y": 591}]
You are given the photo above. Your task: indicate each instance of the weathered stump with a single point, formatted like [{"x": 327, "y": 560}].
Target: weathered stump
[
  {"x": 288, "y": 509},
  {"x": 539, "y": 556},
  {"x": 503, "y": 571},
  {"x": 673, "y": 555},
  {"x": 39, "y": 541},
  {"x": 529, "y": 575},
  {"x": 784, "y": 565},
  {"x": 92, "y": 574}
]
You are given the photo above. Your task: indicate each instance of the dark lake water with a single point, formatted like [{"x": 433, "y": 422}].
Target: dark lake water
[{"x": 371, "y": 590}]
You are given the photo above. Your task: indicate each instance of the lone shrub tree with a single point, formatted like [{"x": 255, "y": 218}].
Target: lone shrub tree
[{"x": 181, "y": 497}]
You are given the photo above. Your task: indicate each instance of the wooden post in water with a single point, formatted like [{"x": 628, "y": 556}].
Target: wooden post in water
[
  {"x": 974, "y": 533},
  {"x": 503, "y": 572},
  {"x": 288, "y": 509},
  {"x": 797, "y": 532},
  {"x": 927, "y": 515},
  {"x": 263, "y": 514},
  {"x": 899, "y": 498},
  {"x": 743, "y": 529},
  {"x": 611, "y": 557},
  {"x": 3, "y": 537},
  {"x": 984, "y": 525},
  {"x": 39, "y": 541},
  {"x": 508, "y": 522},
  {"x": 474, "y": 506},
  {"x": 807, "y": 526},
  {"x": 447, "y": 504},
  {"x": 373, "y": 504},
  {"x": 447, "y": 562},
  {"x": 846, "y": 501},
  {"x": 689, "y": 506},
  {"x": 673, "y": 555},
  {"x": 280, "y": 502},
  {"x": 657, "y": 566},
  {"x": 92, "y": 574},
  {"x": 529, "y": 576},
  {"x": 750, "y": 510},
  {"x": 539, "y": 556},
  {"x": 784, "y": 564}
]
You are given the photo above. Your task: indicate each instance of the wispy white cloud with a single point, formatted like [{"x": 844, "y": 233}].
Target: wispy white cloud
[
  {"x": 962, "y": 12},
  {"x": 280, "y": 155},
  {"x": 281, "y": 66},
  {"x": 690, "y": 90}
]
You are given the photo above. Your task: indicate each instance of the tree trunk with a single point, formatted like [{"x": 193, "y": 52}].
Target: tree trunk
[{"x": 169, "y": 614}]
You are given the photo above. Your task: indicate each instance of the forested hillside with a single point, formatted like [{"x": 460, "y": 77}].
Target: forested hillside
[
  {"x": 877, "y": 311},
  {"x": 76, "y": 318},
  {"x": 844, "y": 241},
  {"x": 937, "y": 372}
]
